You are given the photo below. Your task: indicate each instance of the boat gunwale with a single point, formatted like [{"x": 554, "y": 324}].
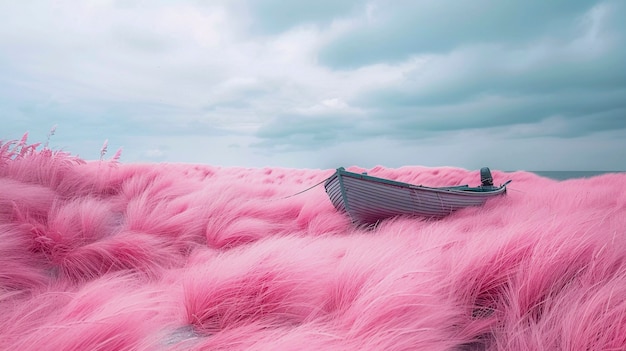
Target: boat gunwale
[{"x": 457, "y": 189}]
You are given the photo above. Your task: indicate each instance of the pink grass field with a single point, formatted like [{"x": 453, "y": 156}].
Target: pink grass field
[{"x": 102, "y": 255}]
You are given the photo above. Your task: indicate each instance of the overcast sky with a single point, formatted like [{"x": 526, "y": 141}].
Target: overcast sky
[{"x": 522, "y": 84}]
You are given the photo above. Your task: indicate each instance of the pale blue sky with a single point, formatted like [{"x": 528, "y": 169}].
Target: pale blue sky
[{"x": 535, "y": 85}]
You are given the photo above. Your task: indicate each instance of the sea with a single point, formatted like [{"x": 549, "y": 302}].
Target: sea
[{"x": 563, "y": 175}]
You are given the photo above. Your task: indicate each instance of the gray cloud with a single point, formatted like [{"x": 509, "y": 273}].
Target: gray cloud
[
  {"x": 604, "y": 110},
  {"x": 395, "y": 32},
  {"x": 564, "y": 116},
  {"x": 463, "y": 77},
  {"x": 579, "y": 82},
  {"x": 273, "y": 16},
  {"x": 298, "y": 131}
]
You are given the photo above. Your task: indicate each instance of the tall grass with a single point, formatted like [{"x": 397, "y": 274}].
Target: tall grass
[{"x": 101, "y": 255}]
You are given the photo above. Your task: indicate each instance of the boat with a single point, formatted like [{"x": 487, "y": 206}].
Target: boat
[{"x": 368, "y": 200}]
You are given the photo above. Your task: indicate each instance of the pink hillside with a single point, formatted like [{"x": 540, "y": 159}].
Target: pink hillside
[{"x": 108, "y": 256}]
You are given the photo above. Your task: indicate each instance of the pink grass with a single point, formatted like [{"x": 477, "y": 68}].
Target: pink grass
[{"x": 103, "y": 255}]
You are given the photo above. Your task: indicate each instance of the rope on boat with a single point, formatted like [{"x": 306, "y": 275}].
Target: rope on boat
[{"x": 303, "y": 191}]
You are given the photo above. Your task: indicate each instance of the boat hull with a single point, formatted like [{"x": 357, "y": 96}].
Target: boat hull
[{"x": 368, "y": 199}]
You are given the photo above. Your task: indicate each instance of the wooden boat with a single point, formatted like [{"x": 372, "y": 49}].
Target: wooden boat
[{"x": 368, "y": 200}]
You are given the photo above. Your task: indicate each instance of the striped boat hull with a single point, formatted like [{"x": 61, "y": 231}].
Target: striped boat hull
[{"x": 368, "y": 199}]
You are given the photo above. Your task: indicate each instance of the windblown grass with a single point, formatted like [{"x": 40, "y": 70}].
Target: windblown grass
[{"x": 102, "y": 255}]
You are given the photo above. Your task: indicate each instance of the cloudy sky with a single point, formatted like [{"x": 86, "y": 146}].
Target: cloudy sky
[{"x": 522, "y": 84}]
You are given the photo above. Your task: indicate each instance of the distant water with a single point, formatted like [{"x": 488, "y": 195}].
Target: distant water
[{"x": 562, "y": 175}]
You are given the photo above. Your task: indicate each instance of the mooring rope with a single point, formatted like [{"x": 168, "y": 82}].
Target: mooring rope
[{"x": 303, "y": 191}]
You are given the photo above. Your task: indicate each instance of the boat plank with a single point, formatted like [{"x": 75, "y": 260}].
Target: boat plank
[{"x": 368, "y": 199}]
